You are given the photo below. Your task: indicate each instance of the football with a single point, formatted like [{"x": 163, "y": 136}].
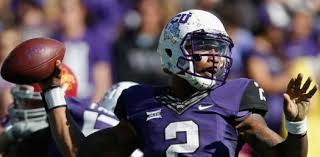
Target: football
[{"x": 32, "y": 60}]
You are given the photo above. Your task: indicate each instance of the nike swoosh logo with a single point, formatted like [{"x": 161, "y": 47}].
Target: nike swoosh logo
[{"x": 201, "y": 107}]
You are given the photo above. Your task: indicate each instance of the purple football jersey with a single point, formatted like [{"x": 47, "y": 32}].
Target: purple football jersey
[{"x": 201, "y": 126}]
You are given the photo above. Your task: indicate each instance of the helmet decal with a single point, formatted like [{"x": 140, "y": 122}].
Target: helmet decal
[
  {"x": 172, "y": 32},
  {"x": 181, "y": 18}
]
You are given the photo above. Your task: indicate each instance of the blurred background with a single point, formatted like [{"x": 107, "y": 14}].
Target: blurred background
[{"x": 108, "y": 41}]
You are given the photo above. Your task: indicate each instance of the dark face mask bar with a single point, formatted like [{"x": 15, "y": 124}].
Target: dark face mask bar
[{"x": 199, "y": 44}]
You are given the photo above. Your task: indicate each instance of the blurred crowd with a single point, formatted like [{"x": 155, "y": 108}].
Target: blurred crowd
[{"x": 108, "y": 41}]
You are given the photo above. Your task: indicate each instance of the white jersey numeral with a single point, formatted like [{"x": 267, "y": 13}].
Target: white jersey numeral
[
  {"x": 261, "y": 92},
  {"x": 192, "y": 134}
]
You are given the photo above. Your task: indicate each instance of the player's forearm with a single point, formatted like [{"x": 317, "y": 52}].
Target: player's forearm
[
  {"x": 296, "y": 145},
  {"x": 63, "y": 127},
  {"x": 267, "y": 143},
  {"x": 65, "y": 132},
  {"x": 292, "y": 146}
]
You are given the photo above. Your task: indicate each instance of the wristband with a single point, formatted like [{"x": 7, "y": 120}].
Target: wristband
[
  {"x": 54, "y": 98},
  {"x": 299, "y": 127}
]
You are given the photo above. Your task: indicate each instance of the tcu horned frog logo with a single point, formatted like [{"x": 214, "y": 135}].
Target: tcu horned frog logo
[{"x": 172, "y": 31}]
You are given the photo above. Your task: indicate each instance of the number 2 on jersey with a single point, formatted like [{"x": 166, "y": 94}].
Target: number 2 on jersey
[{"x": 191, "y": 130}]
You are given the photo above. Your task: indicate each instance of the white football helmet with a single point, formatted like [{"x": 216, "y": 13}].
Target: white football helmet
[
  {"x": 110, "y": 98},
  {"x": 195, "y": 30},
  {"x": 27, "y": 114},
  {"x": 28, "y": 105}
]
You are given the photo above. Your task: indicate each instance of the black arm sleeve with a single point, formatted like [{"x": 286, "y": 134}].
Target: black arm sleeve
[{"x": 253, "y": 99}]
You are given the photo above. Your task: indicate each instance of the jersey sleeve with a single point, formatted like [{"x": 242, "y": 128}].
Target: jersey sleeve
[{"x": 253, "y": 99}]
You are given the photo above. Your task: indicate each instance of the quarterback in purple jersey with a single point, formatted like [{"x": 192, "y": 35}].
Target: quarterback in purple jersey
[{"x": 200, "y": 114}]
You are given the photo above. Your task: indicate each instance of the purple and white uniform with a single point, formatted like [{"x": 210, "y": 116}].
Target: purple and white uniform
[{"x": 201, "y": 126}]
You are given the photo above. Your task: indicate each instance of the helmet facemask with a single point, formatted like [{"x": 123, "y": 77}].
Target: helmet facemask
[
  {"x": 216, "y": 47},
  {"x": 28, "y": 105},
  {"x": 28, "y": 114}
]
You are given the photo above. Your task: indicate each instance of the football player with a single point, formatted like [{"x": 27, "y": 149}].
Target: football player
[{"x": 200, "y": 114}]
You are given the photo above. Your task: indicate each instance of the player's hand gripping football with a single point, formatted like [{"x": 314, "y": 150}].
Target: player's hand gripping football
[
  {"x": 297, "y": 98},
  {"x": 54, "y": 80}
]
